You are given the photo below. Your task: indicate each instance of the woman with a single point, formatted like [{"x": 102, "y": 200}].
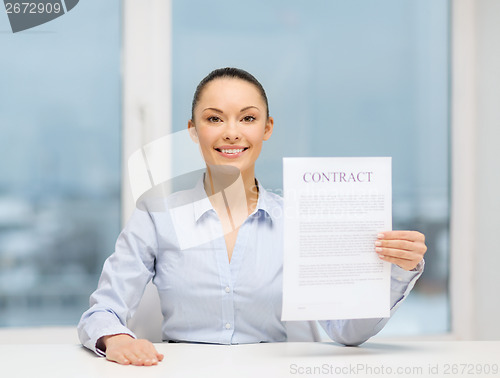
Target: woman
[{"x": 215, "y": 253}]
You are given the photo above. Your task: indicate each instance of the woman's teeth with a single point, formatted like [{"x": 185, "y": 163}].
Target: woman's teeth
[{"x": 232, "y": 151}]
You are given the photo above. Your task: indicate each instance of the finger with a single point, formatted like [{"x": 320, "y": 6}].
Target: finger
[
  {"x": 402, "y": 235},
  {"x": 147, "y": 359},
  {"x": 396, "y": 244},
  {"x": 395, "y": 253},
  {"x": 134, "y": 358},
  {"x": 158, "y": 356},
  {"x": 118, "y": 358},
  {"x": 151, "y": 359},
  {"x": 415, "y": 248},
  {"x": 404, "y": 264},
  {"x": 148, "y": 356},
  {"x": 148, "y": 352}
]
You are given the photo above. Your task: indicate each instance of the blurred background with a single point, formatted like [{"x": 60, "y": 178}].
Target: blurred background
[
  {"x": 60, "y": 179},
  {"x": 343, "y": 77}
]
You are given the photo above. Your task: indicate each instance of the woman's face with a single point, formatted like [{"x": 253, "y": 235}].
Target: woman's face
[{"x": 230, "y": 123}]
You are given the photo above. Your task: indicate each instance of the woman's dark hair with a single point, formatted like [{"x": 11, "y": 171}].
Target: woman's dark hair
[{"x": 231, "y": 73}]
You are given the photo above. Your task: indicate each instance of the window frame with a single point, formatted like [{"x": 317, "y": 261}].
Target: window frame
[{"x": 463, "y": 163}]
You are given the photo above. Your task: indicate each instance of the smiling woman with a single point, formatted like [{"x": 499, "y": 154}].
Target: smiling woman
[
  {"x": 231, "y": 272},
  {"x": 230, "y": 120}
]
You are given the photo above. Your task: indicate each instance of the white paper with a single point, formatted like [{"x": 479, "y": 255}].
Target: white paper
[{"x": 334, "y": 210}]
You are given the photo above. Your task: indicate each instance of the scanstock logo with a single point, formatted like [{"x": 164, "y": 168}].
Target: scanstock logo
[{"x": 28, "y": 14}]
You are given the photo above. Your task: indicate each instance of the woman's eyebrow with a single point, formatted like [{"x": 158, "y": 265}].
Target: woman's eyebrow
[
  {"x": 214, "y": 109},
  {"x": 241, "y": 111},
  {"x": 249, "y": 107}
]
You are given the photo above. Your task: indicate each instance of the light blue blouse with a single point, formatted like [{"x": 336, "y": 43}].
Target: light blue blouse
[{"x": 178, "y": 243}]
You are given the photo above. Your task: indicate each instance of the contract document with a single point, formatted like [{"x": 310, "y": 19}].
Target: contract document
[{"x": 334, "y": 210}]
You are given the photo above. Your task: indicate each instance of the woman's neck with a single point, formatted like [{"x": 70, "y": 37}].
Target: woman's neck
[{"x": 239, "y": 189}]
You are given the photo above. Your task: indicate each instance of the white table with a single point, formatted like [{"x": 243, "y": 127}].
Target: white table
[{"x": 372, "y": 359}]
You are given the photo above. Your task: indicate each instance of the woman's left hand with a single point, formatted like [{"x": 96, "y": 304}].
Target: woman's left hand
[{"x": 403, "y": 248}]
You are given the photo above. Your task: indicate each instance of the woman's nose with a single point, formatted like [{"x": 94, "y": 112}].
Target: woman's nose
[{"x": 231, "y": 131}]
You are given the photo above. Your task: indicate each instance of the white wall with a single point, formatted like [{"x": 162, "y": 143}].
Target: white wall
[
  {"x": 475, "y": 251},
  {"x": 487, "y": 283}
]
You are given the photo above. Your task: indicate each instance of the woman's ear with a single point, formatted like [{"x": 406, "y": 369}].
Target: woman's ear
[
  {"x": 192, "y": 131},
  {"x": 269, "y": 128}
]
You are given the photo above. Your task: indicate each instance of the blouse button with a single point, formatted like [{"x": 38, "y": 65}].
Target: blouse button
[
  {"x": 228, "y": 326},
  {"x": 228, "y": 290}
]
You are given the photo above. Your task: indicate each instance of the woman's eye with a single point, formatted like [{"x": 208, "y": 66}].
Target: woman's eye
[
  {"x": 249, "y": 119},
  {"x": 214, "y": 119}
]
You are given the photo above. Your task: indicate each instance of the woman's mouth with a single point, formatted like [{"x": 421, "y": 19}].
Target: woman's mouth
[{"x": 231, "y": 152}]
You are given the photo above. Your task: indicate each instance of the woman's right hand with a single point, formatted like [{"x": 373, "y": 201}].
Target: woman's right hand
[{"x": 126, "y": 350}]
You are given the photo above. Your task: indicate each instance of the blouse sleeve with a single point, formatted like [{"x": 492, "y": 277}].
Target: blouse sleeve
[
  {"x": 122, "y": 283},
  {"x": 357, "y": 331}
]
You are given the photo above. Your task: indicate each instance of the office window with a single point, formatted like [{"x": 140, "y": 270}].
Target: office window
[
  {"x": 60, "y": 162},
  {"x": 344, "y": 78}
]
